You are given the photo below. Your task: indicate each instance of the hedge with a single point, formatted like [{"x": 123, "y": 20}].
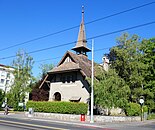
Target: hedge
[
  {"x": 134, "y": 109},
  {"x": 58, "y": 107}
]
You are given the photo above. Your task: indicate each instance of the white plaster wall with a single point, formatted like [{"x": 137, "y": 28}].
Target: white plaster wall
[
  {"x": 3, "y": 75},
  {"x": 68, "y": 90}
]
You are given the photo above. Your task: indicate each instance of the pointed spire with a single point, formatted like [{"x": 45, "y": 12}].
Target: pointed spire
[
  {"x": 82, "y": 14},
  {"x": 81, "y": 47}
]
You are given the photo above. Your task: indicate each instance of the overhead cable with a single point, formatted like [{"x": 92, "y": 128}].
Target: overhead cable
[
  {"x": 94, "y": 37},
  {"x": 67, "y": 29}
]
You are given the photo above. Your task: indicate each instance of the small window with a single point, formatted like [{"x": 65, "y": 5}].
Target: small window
[
  {"x": 3, "y": 74},
  {"x": 63, "y": 79},
  {"x": 8, "y": 75},
  {"x": 73, "y": 78},
  {"x": 7, "y": 82},
  {"x": 2, "y": 81},
  {"x": 68, "y": 79}
]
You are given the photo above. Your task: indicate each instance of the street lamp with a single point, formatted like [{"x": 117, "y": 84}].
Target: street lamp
[{"x": 92, "y": 86}]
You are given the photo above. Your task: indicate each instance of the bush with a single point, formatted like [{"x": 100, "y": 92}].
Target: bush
[
  {"x": 1, "y": 97},
  {"x": 58, "y": 107},
  {"x": 151, "y": 116},
  {"x": 134, "y": 109},
  {"x": 18, "y": 108},
  {"x": 145, "y": 109}
]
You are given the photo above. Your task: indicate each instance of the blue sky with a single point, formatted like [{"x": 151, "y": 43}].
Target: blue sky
[{"x": 23, "y": 20}]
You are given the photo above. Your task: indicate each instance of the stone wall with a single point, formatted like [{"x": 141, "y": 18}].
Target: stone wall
[
  {"x": 71, "y": 117},
  {"x": 116, "y": 118}
]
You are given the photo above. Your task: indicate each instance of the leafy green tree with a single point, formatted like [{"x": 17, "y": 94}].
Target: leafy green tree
[
  {"x": 23, "y": 78},
  {"x": 148, "y": 50},
  {"x": 126, "y": 59},
  {"x": 45, "y": 68},
  {"x": 109, "y": 89},
  {"x": 134, "y": 61}
]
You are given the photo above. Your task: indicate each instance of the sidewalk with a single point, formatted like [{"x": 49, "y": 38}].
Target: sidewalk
[{"x": 21, "y": 115}]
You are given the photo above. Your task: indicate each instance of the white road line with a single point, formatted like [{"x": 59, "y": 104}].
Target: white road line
[{"x": 30, "y": 125}]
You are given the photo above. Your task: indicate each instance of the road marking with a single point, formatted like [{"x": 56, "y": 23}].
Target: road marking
[
  {"x": 31, "y": 125},
  {"x": 73, "y": 123},
  {"x": 18, "y": 126}
]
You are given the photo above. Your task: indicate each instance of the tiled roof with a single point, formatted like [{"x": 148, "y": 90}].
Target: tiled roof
[{"x": 79, "y": 62}]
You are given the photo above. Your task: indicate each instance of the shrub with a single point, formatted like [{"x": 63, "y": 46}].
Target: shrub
[
  {"x": 18, "y": 108},
  {"x": 58, "y": 107},
  {"x": 1, "y": 97},
  {"x": 134, "y": 109},
  {"x": 151, "y": 116},
  {"x": 145, "y": 109}
]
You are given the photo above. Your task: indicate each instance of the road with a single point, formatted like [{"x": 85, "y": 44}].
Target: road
[
  {"x": 17, "y": 122},
  {"x": 148, "y": 125},
  {"x": 32, "y": 124}
]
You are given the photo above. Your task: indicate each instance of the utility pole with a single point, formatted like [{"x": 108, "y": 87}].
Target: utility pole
[{"x": 92, "y": 84}]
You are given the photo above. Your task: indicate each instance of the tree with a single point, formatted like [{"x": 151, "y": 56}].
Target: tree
[
  {"x": 23, "y": 78},
  {"x": 41, "y": 94},
  {"x": 134, "y": 61},
  {"x": 126, "y": 59},
  {"x": 109, "y": 89},
  {"x": 45, "y": 68},
  {"x": 148, "y": 50}
]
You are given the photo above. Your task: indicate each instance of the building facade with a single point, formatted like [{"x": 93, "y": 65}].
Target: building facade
[
  {"x": 6, "y": 78},
  {"x": 68, "y": 81}
]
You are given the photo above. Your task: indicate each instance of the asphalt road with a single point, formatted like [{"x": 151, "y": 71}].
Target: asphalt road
[
  {"x": 144, "y": 125},
  {"x": 20, "y": 122}
]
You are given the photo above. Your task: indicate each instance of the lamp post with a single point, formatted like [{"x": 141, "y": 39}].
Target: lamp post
[
  {"x": 92, "y": 88},
  {"x": 141, "y": 101}
]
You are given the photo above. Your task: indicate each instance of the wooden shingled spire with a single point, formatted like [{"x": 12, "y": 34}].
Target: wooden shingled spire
[{"x": 81, "y": 45}]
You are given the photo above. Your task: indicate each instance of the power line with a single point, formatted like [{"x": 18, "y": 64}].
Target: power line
[
  {"x": 61, "y": 56},
  {"x": 121, "y": 30},
  {"x": 122, "y": 12},
  {"x": 102, "y": 49},
  {"x": 94, "y": 37},
  {"x": 48, "y": 59},
  {"x": 67, "y": 29},
  {"x": 52, "y": 47},
  {"x": 8, "y": 57}
]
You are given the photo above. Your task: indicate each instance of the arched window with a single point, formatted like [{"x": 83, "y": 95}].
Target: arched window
[{"x": 57, "y": 96}]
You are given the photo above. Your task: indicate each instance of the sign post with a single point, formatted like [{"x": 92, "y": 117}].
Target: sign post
[{"x": 141, "y": 101}]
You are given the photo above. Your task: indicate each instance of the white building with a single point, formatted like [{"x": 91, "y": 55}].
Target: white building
[{"x": 6, "y": 77}]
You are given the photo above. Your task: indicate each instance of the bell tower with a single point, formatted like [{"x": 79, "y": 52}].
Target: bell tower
[{"x": 81, "y": 45}]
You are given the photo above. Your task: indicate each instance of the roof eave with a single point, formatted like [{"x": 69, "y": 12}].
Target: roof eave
[{"x": 62, "y": 71}]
